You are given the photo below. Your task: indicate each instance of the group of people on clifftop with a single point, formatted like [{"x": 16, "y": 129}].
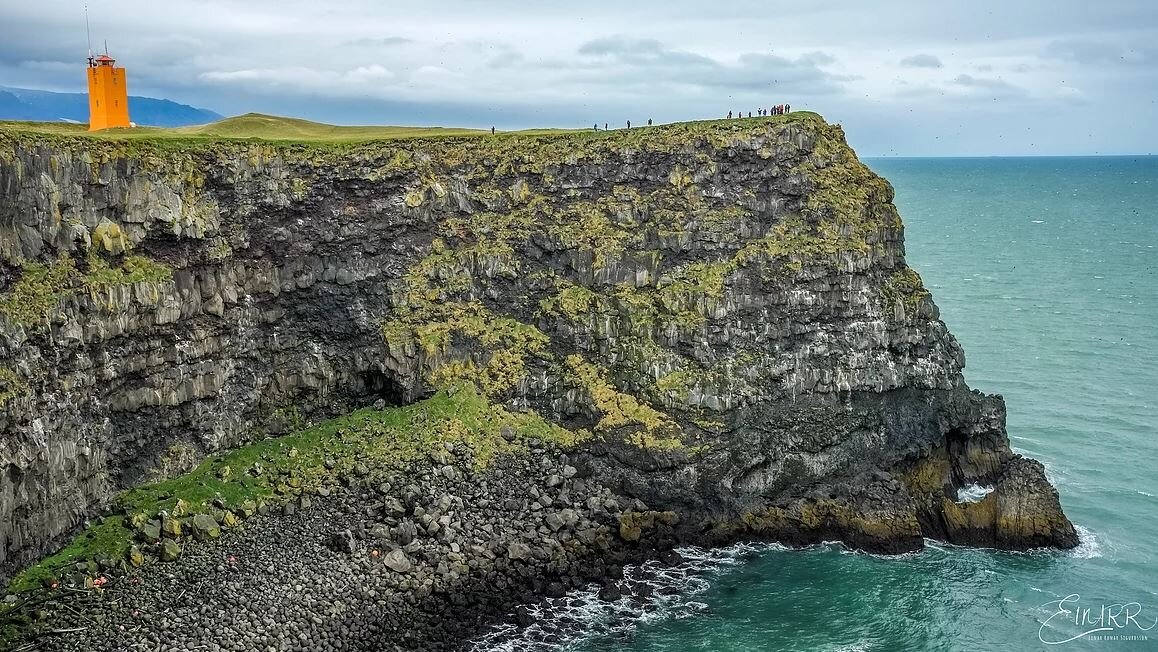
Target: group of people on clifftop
[
  {"x": 607, "y": 126},
  {"x": 779, "y": 109}
]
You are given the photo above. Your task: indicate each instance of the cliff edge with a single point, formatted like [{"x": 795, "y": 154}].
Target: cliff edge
[{"x": 718, "y": 315}]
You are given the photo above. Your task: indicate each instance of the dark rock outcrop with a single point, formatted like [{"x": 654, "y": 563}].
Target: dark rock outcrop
[{"x": 720, "y": 311}]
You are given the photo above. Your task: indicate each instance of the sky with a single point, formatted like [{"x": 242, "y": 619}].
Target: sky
[{"x": 904, "y": 77}]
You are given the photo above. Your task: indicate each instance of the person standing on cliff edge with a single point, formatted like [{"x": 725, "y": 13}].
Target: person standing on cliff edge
[{"x": 492, "y": 131}]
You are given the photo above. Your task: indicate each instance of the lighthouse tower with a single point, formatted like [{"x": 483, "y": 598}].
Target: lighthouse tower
[{"x": 108, "y": 96}]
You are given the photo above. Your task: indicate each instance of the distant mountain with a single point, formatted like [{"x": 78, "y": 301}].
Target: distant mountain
[{"x": 28, "y": 104}]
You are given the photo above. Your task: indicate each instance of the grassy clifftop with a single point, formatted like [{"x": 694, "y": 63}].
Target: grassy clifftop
[
  {"x": 256, "y": 126},
  {"x": 263, "y": 127}
]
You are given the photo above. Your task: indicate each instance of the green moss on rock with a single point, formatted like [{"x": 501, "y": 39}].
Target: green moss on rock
[
  {"x": 904, "y": 290},
  {"x": 37, "y": 295},
  {"x": 315, "y": 457},
  {"x": 12, "y": 386},
  {"x": 645, "y": 426}
]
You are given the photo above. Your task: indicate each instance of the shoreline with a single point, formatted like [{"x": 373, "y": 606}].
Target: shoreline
[
  {"x": 328, "y": 594},
  {"x": 461, "y": 553}
]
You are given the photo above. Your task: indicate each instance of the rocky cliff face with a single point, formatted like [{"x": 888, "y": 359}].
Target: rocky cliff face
[{"x": 720, "y": 311}]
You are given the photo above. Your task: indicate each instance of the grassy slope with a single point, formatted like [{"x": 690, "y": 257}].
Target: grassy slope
[{"x": 308, "y": 459}]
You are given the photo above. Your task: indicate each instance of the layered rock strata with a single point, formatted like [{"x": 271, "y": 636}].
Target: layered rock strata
[{"x": 721, "y": 313}]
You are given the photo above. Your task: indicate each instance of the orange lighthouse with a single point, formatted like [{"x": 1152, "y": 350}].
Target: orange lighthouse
[{"x": 108, "y": 96}]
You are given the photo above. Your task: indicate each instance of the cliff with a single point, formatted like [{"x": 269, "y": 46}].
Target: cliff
[{"x": 718, "y": 313}]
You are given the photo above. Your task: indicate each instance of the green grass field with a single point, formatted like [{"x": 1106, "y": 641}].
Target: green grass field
[
  {"x": 256, "y": 126},
  {"x": 263, "y": 127}
]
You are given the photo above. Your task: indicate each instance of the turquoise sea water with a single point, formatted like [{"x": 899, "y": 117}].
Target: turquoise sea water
[{"x": 1046, "y": 269}]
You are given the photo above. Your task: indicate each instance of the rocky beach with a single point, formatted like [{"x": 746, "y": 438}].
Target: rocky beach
[{"x": 421, "y": 566}]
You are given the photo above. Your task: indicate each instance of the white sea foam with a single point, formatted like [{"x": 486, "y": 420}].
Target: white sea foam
[
  {"x": 1053, "y": 474},
  {"x": 559, "y": 623},
  {"x": 973, "y": 493},
  {"x": 1088, "y": 545},
  {"x": 845, "y": 550},
  {"x": 1145, "y": 493},
  {"x": 938, "y": 546},
  {"x": 1038, "y": 221}
]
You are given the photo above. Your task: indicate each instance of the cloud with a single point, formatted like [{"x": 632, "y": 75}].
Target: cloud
[
  {"x": 511, "y": 63},
  {"x": 921, "y": 61},
  {"x": 383, "y": 42},
  {"x": 648, "y": 62},
  {"x": 817, "y": 58},
  {"x": 969, "y": 81},
  {"x": 987, "y": 86},
  {"x": 1101, "y": 53},
  {"x": 641, "y": 51},
  {"x": 303, "y": 79}
]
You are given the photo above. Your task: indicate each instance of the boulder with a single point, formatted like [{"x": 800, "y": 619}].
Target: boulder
[
  {"x": 405, "y": 532},
  {"x": 344, "y": 542},
  {"x": 170, "y": 550},
  {"x": 398, "y": 561},
  {"x": 380, "y": 532},
  {"x": 149, "y": 531},
  {"x": 205, "y": 528},
  {"x": 554, "y": 521},
  {"x": 518, "y": 551}
]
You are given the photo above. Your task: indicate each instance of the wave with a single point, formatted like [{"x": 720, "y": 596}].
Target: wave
[
  {"x": 1088, "y": 545},
  {"x": 652, "y": 592},
  {"x": 973, "y": 493}
]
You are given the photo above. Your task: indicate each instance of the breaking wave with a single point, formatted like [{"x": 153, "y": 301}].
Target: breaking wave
[
  {"x": 973, "y": 493},
  {"x": 651, "y": 592},
  {"x": 1088, "y": 545}
]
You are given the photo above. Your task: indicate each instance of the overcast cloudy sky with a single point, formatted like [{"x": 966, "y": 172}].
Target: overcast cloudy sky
[{"x": 905, "y": 77}]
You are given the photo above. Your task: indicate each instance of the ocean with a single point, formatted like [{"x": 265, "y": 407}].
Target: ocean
[{"x": 1046, "y": 270}]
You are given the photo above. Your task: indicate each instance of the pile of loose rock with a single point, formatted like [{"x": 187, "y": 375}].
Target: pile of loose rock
[{"x": 424, "y": 557}]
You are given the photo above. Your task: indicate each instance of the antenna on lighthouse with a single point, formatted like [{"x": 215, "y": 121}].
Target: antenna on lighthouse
[
  {"x": 88, "y": 30},
  {"x": 88, "y": 33}
]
